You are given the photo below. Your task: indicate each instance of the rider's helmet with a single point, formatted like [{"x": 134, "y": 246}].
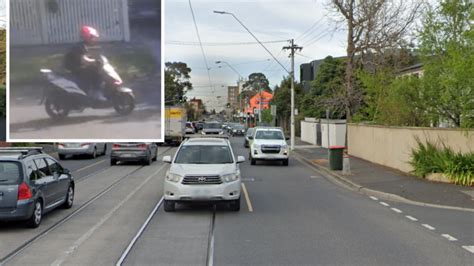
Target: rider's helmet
[{"x": 89, "y": 34}]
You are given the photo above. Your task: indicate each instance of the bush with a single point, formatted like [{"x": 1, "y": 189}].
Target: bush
[{"x": 429, "y": 158}]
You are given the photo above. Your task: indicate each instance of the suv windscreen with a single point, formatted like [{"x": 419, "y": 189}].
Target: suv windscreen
[
  {"x": 10, "y": 173},
  {"x": 239, "y": 127},
  {"x": 269, "y": 134},
  {"x": 205, "y": 154},
  {"x": 212, "y": 126},
  {"x": 250, "y": 132}
]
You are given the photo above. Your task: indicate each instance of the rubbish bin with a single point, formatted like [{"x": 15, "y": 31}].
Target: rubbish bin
[{"x": 336, "y": 154}]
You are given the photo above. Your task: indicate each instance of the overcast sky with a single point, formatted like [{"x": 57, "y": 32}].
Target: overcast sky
[{"x": 269, "y": 20}]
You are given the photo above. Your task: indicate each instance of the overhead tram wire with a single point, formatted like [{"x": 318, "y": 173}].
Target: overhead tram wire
[
  {"x": 200, "y": 43},
  {"x": 188, "y": 43}
]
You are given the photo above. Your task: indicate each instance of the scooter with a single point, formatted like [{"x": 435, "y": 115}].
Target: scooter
[{"x": 62, "y": 95}]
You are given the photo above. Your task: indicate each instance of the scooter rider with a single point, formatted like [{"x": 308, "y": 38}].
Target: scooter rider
[{"x": 83, "y": 65}]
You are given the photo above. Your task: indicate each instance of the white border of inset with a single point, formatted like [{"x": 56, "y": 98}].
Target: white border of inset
[{"x": 162, "y": 84}]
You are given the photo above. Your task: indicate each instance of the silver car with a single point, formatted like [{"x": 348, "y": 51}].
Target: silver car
[
  {"x": 87, "y": 148},
  {"x": 203, "y": 169}
]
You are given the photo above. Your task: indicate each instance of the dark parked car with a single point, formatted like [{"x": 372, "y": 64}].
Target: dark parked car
[
  {"x": 247, "y": 135},
  {"x": 144, "y": 152},
  {"x": 32, "y": 183},
  {"x": 237, "y": 130}
]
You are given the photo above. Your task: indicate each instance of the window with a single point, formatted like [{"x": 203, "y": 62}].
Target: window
[
  {"x": 205, "y": 154},
  {"x": 9, "y": 173},
  {"x": 54, "y": 166},
  {"x": 31, "y": 170},
  {"x": 269, "y": 134},
  {"x": 43, "y": 169}
]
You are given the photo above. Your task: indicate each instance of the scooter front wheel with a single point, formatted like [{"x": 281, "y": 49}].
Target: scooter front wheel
[
  {"x": 124, "y": 103},
  {"x": 54, "y": 109}
]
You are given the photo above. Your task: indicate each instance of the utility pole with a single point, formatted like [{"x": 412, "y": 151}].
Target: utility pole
[
  {"x": 293, "y": 47},
  {"x": 260, "y": 106}
]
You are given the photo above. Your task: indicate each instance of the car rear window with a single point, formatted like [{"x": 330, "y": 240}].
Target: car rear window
[
  {"x": 10, "y": 173},
  {"x": 204, "y": 154}
]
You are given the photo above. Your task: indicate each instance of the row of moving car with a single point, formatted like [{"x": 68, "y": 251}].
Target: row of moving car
[{"x": 144, "y": 152}]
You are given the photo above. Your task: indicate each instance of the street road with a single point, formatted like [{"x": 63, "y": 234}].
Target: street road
[{"x": 290, "y": 215}]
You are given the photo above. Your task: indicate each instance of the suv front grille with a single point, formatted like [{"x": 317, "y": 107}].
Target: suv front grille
[
  {"x": 201, "y": 180},
  {"x": 270, "y": 149}
]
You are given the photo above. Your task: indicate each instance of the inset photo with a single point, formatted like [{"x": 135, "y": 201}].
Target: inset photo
[{"x": 85, "y": 70}]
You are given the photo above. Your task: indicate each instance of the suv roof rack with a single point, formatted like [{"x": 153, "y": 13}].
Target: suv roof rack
[{"x": 22, "y": 151}]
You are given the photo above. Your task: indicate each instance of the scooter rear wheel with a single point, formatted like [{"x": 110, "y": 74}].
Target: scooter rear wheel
[
  {"x": 55, "y": 110},
  {"x": 124, "y": 103}
]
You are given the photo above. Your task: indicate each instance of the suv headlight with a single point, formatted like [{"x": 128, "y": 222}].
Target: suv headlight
[
  {"x": 202, "y": 132},
  {"x": 230, "y": 177},
  {"x": 256, "y": 146},
  {"x": 284, "y": 147},
  {"x": 221, "y": 132},
  {"x": 173, "y": 177}
]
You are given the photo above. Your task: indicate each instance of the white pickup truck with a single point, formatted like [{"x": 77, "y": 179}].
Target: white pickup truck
[{"x": 268, "y": 143}]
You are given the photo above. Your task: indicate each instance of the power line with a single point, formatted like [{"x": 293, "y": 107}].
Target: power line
[
  {"x": 310, "y": 28},
  {"x": 200, "y": 43},
  {"x": 188, "y": 43}
]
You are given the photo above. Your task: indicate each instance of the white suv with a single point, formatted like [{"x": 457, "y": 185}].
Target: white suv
[
  {"x": 203, "y": 169},
  {"x": 268, "y": 143}
]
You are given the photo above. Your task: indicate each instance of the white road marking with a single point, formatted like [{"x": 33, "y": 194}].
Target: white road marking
[
  {"x": 384, "y": 204},
  {"x": 104, "y": 219},
  {"x": 428, "y": 226},
  {"x": 374, "y": 198},
  {"x": 469, "y": 248},
  {"x": 411, "y": 218},
  {"x": 396, "y": 210},
  {"x": 450, "y": 238}
]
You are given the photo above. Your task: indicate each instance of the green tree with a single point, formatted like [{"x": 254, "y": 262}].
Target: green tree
[
  {"x": 258, "y": 81},
  {"x": 177, "y": 82},
  {"x": 267, "y": 117},
  {"x": 447, "y": 49},
  {"x": 281, "y": 98},
  {"x": 327, "y": 90}
]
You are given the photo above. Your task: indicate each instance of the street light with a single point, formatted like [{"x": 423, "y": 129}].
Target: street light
[
  {"x": 230, "y": 66},
  {"x": 292, "y": 145}
]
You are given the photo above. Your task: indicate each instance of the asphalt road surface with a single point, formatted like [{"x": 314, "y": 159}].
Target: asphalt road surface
[{"x": 290, "y": 216}]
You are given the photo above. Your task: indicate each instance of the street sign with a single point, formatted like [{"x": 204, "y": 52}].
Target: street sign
[{"x": 273, "y": 110}]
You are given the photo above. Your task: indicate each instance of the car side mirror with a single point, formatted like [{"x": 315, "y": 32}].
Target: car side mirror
[
  {"x": 287, "y": 138},
  {"x": 240, "y": 159},
  {"x": 66, "y": 171},
  {"x": 250, "y": 137},
  {"x": 167, "y": 159}
]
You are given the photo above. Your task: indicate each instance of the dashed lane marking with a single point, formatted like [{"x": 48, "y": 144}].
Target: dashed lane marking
[
  {"x": 411, "y": 218},
  {"x": 448, "y": 237},
  {"x": 374, "y": 198},
  {"x": 428, "y": 226},
  {"x": 469, "y": 248},
  {"x": 384, "y": 204},
  {"x": 396, "y": 210}
]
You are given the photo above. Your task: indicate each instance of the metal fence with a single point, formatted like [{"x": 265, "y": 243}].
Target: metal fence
[{"x": 34, "y": 22}]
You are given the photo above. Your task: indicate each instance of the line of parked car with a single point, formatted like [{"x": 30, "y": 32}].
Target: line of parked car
[{"x": 144, "y": 152}]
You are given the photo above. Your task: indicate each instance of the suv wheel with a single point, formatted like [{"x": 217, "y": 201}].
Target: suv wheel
[
  {"x": 169, "y": 205},
  {"x": 62, "y": 156},
  {"x": 234, "y": 205},
  {"x": 35, "y": 220},
  {"x": 285, "y": 162},
  {"x": 147, "y": 160},
  {"x": 94, "y": 153},
  {"x": 113, "y": 162},
  {"x": 252, "y": 160},
  {"x": 69, "y": 198}
]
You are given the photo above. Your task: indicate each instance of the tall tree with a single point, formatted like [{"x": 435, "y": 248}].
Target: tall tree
[
  {"x": 177, "y": 82},
  {"x": 447, "y": 48},
  {"x": 258, "y": 81},
  {"x": 373, "y": 26},
  {"x": 281, "y": 99}
]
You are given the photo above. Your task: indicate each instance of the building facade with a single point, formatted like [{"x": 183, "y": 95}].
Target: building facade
[
  {"x": 233, "y": 97},
  {"x": 260, "y": 100}
]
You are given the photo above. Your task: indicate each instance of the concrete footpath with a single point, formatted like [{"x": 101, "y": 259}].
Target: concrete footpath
[{"x": 388, "y": 183}]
